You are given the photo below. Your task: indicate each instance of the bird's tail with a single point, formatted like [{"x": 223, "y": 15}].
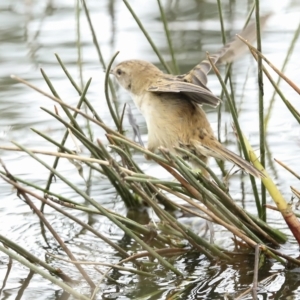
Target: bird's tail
[
  {"x": 226, "y": 154},
  {"x": 217, "y": 151}
]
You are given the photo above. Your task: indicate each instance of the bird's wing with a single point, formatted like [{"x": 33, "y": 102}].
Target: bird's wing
[
  {"x": 227, "y": 54},
  {"x": 191, "y": 91}
]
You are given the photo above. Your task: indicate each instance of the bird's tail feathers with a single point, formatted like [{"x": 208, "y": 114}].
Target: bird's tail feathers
[
  {"x": 220, "y": 152},
  {"x": 239, "y": 161}
]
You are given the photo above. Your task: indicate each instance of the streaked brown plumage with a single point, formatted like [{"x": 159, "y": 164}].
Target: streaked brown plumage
[{"x": 170, "y": 104}]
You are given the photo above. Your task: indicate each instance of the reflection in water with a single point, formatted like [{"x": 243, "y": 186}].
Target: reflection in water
[{"x": 31, "y": 32}]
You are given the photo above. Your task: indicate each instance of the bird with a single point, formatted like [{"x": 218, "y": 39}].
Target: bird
[{"x": 172, "y": 104}]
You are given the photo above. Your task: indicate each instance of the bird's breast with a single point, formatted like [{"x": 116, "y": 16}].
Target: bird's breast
[{"x": 148, "y": 104}]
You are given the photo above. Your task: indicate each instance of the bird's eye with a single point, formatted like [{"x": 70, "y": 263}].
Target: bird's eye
[{"x": 119, "y": 72}]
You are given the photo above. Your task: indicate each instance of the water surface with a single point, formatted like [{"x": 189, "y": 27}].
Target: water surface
[{"x": 31, "y": 32}]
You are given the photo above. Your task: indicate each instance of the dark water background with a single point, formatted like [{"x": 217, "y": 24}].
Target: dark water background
[{"x": 32, "y": 31}]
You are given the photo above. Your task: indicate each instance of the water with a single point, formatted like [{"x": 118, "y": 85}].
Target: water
[{"x": 31, "y": 32}]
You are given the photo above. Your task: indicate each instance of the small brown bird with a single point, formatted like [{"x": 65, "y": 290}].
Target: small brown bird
[{"x": 171, "y": 104}]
